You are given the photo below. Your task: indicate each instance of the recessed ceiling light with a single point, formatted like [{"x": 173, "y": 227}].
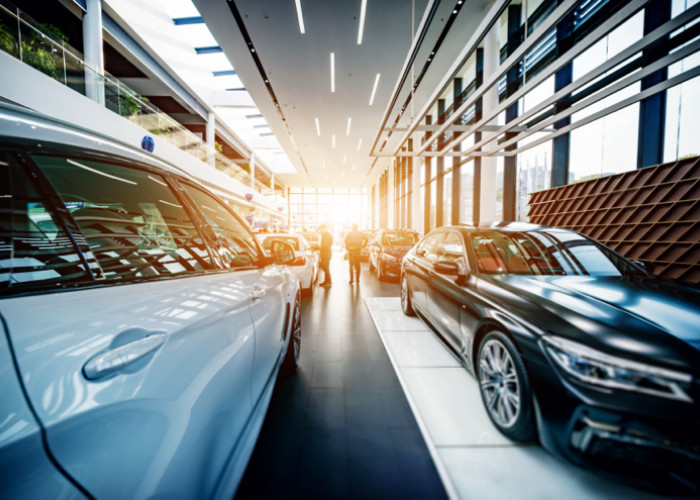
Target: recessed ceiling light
[
  {"x": 361, "y": 29},
  {"x": 374, "y": 89},
  {"x": 318, "y": 128},
  {"x": 347, "y": 131},
  {"x": 332, "y": 71},
  {"x": 359, "y": 144},
  {"x": 300, "y": 16}
]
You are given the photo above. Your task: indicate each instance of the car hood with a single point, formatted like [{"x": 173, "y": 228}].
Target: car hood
[
  {"x": 397, "y": 251},
  {"x": 641, "y": 317}
]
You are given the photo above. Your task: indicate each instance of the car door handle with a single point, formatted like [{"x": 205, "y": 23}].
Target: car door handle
[{"x": 108, "y": 362}]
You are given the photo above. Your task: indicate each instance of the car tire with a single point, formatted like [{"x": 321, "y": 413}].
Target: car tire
[
  {"x": 406, "y": 305},
  {"x": 291, "y": 358},
  {"x": 505, "y": 387}
]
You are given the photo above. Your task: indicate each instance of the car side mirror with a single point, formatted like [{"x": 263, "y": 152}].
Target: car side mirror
[
  {"x": 641, "y": 264},
  {"x": 446, "y": 267},
  {"x": 282, "y": 253}
]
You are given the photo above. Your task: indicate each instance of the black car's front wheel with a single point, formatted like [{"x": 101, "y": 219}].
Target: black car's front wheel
[
  {"x": 406, "y": 305},
  {"x": 505, "y": 388},
  {"x": 291, "y": 358}
]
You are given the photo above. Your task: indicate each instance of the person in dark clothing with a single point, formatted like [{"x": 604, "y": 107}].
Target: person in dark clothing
[
  {"x": 326, "y": 244},
  {"x": 354, "y": 241}
]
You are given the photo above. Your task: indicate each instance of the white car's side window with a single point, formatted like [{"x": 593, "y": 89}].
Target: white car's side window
[
  {"x": 235, "y": 244},
  {"x": 134, "y": 224}
]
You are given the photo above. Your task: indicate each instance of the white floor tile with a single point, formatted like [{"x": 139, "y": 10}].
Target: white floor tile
[
  {"x": 413, "y": 349},
  {"x": 391, "y": 321},
  {"x": 526, "y": 472},
  {"x": 450, "y": 405},
  {"x": 384, "y": 303}
]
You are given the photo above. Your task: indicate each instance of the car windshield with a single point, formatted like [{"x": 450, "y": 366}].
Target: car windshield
[
  {"x": 546, "y": 253},
  {"x": 399, "y": 239},
  {"x": 292, "y": 240}
]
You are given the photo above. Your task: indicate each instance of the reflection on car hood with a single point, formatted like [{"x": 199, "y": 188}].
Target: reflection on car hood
[{"x": 646, "y": 317}]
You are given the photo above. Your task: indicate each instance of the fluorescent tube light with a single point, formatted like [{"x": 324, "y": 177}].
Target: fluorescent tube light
[
  {"x": 332, "y": 71},
  {"x": 359, "y": 144},
  {"x": 361, "y": 30},
  {"x": 318, "y": 127},
  {"x": 374, "y": 89},
  {"x": 300, "y": 16},
  {"x": 347, "y": 131}
]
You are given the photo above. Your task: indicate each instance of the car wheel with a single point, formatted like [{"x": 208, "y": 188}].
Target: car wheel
[
  {"x": 406, "y": 305},
  {"x": 291, "y": 358},
  {"x": 505, "y": 388}
]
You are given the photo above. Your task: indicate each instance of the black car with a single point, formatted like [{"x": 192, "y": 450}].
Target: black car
[
  {"x": 386, "y": 250},
  {"x": 571, "y": 344}
]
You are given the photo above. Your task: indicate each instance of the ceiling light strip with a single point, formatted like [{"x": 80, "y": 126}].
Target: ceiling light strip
[
  {"x": 318, "y": 128},
  {"x": 359, "y": 144},
  {"x": 374, "y": 89},
  {"x": 347, "y": 130},
  {"x": 361, "y": 29},
  {"x": 332, "y": 71},
  {"x": 300, "y": 16}
]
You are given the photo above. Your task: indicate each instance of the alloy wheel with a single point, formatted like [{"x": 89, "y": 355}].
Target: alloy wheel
[{"x": 500, "y": 386}]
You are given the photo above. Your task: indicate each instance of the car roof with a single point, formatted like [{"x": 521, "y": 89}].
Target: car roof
[{"x": 33, "y": 128}]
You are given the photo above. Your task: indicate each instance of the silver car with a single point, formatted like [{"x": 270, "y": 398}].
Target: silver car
[{"x": 143, "y": 327}]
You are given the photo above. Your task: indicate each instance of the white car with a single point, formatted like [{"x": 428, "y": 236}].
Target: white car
[
  {"x": 307, "y": 273},
  {"x": 142, "y": 327}
]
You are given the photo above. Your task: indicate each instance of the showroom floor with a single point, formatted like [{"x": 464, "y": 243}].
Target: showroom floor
[
  {"x": 341, "y": 427},
  {"x": 347, "y": 426}
]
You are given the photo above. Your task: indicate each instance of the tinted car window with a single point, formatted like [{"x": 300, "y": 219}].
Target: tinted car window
[
  {"x": 236, "y": 246},
  {"x": 545, "y": 253},
  {"x": 430, "y": 246},
  {"x": 295, "y": 242},
  {"x": 399, "y": 239},
  {"x": 131, "y": 219},
  {"x": 34, "y": 249},
  {"x": 452, "y": 250}
]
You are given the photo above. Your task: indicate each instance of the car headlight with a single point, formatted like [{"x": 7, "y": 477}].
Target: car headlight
[
  {"x": 597, "y": 368},
  {"x": 390, "y": 258}
]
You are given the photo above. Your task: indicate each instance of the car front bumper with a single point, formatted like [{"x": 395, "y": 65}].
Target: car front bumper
[{"x": 649, "y": 441}]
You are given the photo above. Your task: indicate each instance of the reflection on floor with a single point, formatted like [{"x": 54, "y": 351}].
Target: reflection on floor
[
  {"x": 341, "y": 427},
  {"x": 474, "y": 460}
]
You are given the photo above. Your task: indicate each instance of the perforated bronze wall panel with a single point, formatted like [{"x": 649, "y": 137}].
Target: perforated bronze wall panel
[{"x": 651, "y": 215}]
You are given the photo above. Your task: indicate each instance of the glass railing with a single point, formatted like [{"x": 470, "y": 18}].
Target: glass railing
[{"x": 40, "y": 47}]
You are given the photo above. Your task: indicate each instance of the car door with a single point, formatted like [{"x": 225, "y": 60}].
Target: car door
[
  {"x": 141, "y": 379},
  {"x": 445, "y": 292},
  {"x": 238, "y": 249},
  {"x": 419, "y": 275}
]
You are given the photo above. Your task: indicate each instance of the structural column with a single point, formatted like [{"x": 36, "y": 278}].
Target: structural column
[
  {"x": 456, "y": 169},
  {"x": 478, "y": 114},
  {"x": 512, "y": 81},
  {"x": 652, "y": 110},
  {"x": 426, "y": 182},
  {"x": 92, "y": 46},
  {"x": 562, "y": 78},
  {"x": 489, "y": 184},
  {"x": 440, "y": 169},
  {"x": 210, "y": 132},
  {"x": 410, "y": 187}
]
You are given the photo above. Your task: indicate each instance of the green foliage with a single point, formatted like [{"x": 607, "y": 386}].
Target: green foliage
[
  {"x": 8, "y": 41},
  {"x": 44, "y": 60},
  {"x": 130, "y": 104},
  {"x": 52, "y": 31}
]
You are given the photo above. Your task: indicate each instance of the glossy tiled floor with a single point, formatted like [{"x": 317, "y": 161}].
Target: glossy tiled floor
[
  {"x": 474, "y": 459},
  {"x": 342, "y": 427}
]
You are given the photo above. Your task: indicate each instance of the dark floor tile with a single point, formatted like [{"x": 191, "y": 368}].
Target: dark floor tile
[
  {"x": 326, "y": 409},
  {"x": 375, "y": 477},
  {"x": 327, "y": 374}
]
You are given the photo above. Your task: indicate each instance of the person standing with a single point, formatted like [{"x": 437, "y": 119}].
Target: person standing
[
  {"x": 326, "y": 252},
  {"x": 354, "y": 241}
]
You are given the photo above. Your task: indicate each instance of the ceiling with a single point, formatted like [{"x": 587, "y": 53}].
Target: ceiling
[{"x": 262, "y": 39}]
